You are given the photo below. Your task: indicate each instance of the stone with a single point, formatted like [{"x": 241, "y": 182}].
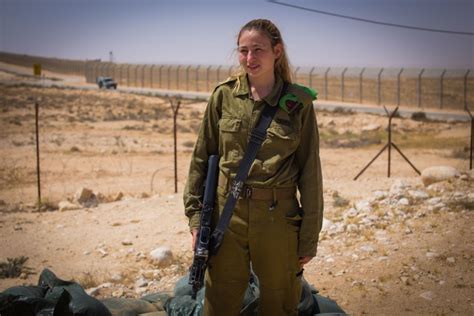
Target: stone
[
  {"x": 380, "y": 195},
  {"x": 437, "y": 174},
  {"x": 162, "y": 256},
  {"x": 403, "y": 202},
  {"x": 371, "y": 127},
  {"x": 118, "y": 197},
  {"x": 427, "y": 295},
  {"x": 127, "y": 242},
  {"x": 327, "y": 224},
  {"x": 450, "y": 260},
  {"x": 431, "y": 254},
  {"x": 67, "y": 206},
  {"x": 141, "y": 282},
  {"x": 399, "y": 187},
  {"x": 367, "y": 248},
  {"x": 350, "y": 213},
  {"x": 83, "y": 195},
  {"x": 418, "y": 194},
  {"x": 363, "y": 206},
  {"x": 352, "y": 228}
]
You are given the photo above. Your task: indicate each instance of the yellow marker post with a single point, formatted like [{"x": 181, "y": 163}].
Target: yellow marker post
[{"x": 37, "y": 69}]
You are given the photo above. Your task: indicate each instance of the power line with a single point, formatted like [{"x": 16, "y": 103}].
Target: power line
[{"x": 371, "y": 21}]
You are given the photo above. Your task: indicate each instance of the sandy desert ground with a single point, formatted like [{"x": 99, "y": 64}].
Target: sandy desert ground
[{"x": 389, "y": 245}]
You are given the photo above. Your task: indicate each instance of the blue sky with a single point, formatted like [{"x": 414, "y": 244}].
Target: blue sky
[{"x": 204, "y": 32}]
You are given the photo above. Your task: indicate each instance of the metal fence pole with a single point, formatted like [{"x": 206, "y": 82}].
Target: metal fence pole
[
  {"x": 295, "y": 74},
  {"x": 169, "y": 77},
  {"x": 187, "y": 77},
  {"x": 379, "y": 84},
  {"x": 398, "y": 86},
  {"x": 197, "y": 77},
  {"x": 128, "y": 75},
  {"x": 310, "y": 80},
  {"x": 143, "y": 75},
  {"x": 177, "y": 77},
  {"x": 160, "y": 80},
  {"x": 465, "y": 89},
  {"x": 441, "y": 89},
  {"x": 151, "y": 75},
  {"x": 218, "y": 73},
  {"x": 326, "y": 83},
  {"x": 38, "y": 172},
  {"x": 136, "y": 75},
  {"x": 419, "y": 86},
  {"x": 207, "y": 77},
  {"x": 361, "y": 98},
  {"x": 342, "y": 83}
]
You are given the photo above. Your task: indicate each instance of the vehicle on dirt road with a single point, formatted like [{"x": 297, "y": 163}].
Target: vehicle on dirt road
[{"x": 106, "y": 83}]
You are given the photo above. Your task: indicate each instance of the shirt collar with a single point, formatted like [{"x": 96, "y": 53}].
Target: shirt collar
[{"x": 272, "y": 98}]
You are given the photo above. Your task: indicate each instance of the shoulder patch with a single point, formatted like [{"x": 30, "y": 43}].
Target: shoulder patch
[{"x": 297, "y": 96}]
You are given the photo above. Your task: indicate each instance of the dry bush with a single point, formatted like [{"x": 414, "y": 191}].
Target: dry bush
[{"x": 13, "y": 267}]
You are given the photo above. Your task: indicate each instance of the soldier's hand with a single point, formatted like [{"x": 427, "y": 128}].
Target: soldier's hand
[
  {"x": 304, "y": 260},
  {"x": 194, "y": 233}
]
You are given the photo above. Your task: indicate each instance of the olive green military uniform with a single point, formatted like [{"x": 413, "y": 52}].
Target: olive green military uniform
[{"x": 268, "y": 229}]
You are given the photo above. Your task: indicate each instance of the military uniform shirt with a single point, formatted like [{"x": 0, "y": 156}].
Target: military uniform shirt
[{"x": 289, "y": 156}]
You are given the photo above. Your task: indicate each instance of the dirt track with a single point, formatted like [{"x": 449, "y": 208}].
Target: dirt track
[{"x": 113, "y": 142}]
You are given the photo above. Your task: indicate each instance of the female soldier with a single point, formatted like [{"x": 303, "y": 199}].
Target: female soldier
[{"x": 269, "y": 231}]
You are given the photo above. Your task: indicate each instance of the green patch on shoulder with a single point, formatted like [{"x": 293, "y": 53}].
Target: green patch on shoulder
[{"x": 296, "y": 97}]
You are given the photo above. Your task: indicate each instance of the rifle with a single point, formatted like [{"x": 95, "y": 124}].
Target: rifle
[{"x": 201, "y": 250}]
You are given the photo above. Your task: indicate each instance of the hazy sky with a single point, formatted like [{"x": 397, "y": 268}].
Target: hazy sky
[{"x": 204, "y": 32}]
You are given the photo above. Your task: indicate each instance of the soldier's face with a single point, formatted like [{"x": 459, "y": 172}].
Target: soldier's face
[{"x": 256, "y": 54}]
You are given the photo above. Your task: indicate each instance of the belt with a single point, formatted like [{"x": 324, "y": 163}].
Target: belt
[{"x": 269, "y": 194}]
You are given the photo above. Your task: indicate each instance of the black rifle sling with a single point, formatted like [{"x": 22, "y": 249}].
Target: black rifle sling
[{"x": 257, "y": 137}]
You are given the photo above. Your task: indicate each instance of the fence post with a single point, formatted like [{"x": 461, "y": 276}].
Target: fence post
[
  {"x": 218, "y": 73},
  {"x": 230, "y": 70},
  {"x": 143, "y": 75},
  {"x": 38, "y": 172},
  {"x": 169, "y": 77},
  {"x": 160, "y": 85},
  {"x": 151, "y": 75},
  {"x": 177, "y": 77},
  {"x": 379, "y": 84},
  {"x": 398, "y": 86},
  {"x": 441, "y": 89},
  {"x": 465, "y": 89},
  {"x": 136, "y": 76},
  {"x": 419, "y": 86},
  {"x": 360, "y": 85},
  {"x": 187, "y": 77},
  {"x": 295, "y": 73},
  {"x": 326, "y": 83},
  {"x": 128, "y": 75},
  {"x": 207, "y": 77},
  {"x": 310, "y": 81},
  {"x": 197, "y": 77},
  {"x": 342, "y": 84}
]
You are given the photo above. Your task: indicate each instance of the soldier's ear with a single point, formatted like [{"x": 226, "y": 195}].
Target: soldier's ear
[{"x": 278, "y": 50}]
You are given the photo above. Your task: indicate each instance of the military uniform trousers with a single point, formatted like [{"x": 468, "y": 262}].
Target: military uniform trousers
[{"x": 263, "y": 235}]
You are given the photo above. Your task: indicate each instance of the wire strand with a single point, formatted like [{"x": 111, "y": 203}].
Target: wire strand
[{"x": 371, "y": 21}]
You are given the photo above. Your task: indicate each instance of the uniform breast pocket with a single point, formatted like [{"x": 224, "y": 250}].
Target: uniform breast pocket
[
  {"x": 230, "y": 130},
  {"x": 280, "y": 143}
]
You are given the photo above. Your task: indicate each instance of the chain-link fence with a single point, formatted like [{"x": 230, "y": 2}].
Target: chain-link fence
[{"x": 409, "y": 87}]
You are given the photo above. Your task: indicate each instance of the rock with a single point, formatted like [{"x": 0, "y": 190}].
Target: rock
[
  {"x": 363, "y": 206},
  {"x": 116, "y": 277},
  {"x": 380, "y": 195},
  {"x": 450, "y": 260},
  {"x": 67, "y": 206},
  {"x": 371, "y": 127},
  {"x": 350, "y": 213},
  {"x": 352, "y": 228},
  {"x": 464, "y": 177},
  {"x": 141, "y": 282},
  {"x": 83, "y": 195},
  {"x": 398, "y": 188},
  {"x": 118, "y": 293},
  {"x": 330, "y": 260},
  {"x": 102, "y": 252},
  {"x": 418, "y": 194},
  {"x": 367, "y": 248},
  {"x": 162, "y": 256},
  {"x": 405, "y": 280},
  {"x": 427, "y": 295},
  {"x": 439, "y": 173},
  {"x": 403, "y": 202},
  {"x": 434, "y": 201},
  {"x": 118, "y": 197},
  {"x": 127, "y": 242},
  {"x": 431, "y": 254},
  {"x": 327, "y": 224}
]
